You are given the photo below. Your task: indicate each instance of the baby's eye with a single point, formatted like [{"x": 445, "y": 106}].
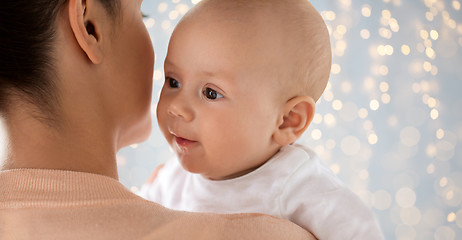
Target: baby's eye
[
  {"x": 173, "y": 83},
  {"x": 212, "y": 94}
]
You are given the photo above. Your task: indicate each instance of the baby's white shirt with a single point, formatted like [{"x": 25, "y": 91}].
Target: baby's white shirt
[{"x": 295, "y": 185}]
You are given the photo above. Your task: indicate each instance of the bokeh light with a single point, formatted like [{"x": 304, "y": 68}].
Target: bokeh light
[{"x": 389, "y": 123}]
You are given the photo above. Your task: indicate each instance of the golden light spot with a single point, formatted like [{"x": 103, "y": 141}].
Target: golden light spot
[
  {"x": 374, "y": 105},
  {"x": 363, "y": 113},
  {"x": 434, "y": 114},
  {"x": 386, "y": 14},
  {"x": 372, "y": 139},
  {"x": 134, "y": 146},
  {"x": 339, "y": 52},
  {"x": 335, "y": 168},
  {"x": 157, "y": 75},
  {"x": 385, "y": 33},
  {"x": 443, "y": 182},
  {"x": 341, "y": 45},
  {"x": 452, "y": 23},
  {"x": 431, "y": 168},
  {"x": 195, "y": 1},
  {"x": 431, "y": 151},
  {"x": 431, "y": 102},
  {"x": 423, "y": 34},
  {"x": 389, "y": 50},
  {"x": 173, "y": 15},
  {"x": 384, "y": 86},
  {"x": 425, "y": 97},
  {"x": 428, "y": 43},
  {"x": 336, "y": 68},
  {"x": 449, "y": 195},
  {"x": 427, "y": 66},
  {"x": 451, "y": 217},
  {"x": 385, "y": 50},
  {"x": 366, "y": 11},
  {"x": 166, "y": 24},
  {"x": 434, "y": 70},
  {"x": 429, "y": 16},
  {"x": 446, "y": 15},
  {"x": 134, "y": 189},
  {"x": 434, "y": 34},
  {"x": 317, "y": 119},
  {"x": 328, "y": 96},
  {"x": 175, "y": 1},
  {"x": 383, "y": 70},
  {"x": 394, "y": 26},
  {"x": 405, "y": 49},
  {"x": 341, "y": 29},
  {"x": 386, "y": 98},
  {"x": 330, "y": 120},
  {"x": 381, "y": 50},
  {"x": 182, "y": 8},
  {"x": 456, "y": 5},
  {"x": 162, "y": 7},
  {"x": 430, "y": 53},
  {"x": 149, "y": 23},
  {"x": 316, "y": 134},
  {"x": 329, "y": 15},
  {"x": 440, "y": 134},
  {"x": 365, "y": 34},
  {"x": 337, "y": 105}
]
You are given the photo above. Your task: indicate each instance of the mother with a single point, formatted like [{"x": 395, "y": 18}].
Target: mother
[{"x": 75, "y": 87}]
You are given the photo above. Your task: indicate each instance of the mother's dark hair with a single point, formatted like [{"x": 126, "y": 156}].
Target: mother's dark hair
[{"x": 27, "y": 32}]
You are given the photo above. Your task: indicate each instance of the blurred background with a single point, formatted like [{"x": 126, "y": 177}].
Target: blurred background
[{"x": 390, "y": 121}]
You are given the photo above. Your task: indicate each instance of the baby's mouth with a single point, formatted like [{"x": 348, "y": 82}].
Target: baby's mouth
[{"x": 183, "y": 142}]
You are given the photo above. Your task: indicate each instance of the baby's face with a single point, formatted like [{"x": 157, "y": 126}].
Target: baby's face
[{"x": 218, "y": 107}]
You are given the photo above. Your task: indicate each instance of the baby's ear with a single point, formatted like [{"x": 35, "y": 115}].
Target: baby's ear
[{"x": 294, "y": 120}]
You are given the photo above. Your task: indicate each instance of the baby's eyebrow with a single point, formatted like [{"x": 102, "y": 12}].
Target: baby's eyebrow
[
  {"x": 169, "y": 63},
  {"x": 219, "y": 73}
]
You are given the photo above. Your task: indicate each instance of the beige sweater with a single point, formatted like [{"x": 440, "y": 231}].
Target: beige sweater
[{"x": 57, "y": 204}]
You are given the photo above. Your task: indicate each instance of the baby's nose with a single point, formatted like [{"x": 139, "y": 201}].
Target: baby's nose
[{"x": 180, "y": 108}]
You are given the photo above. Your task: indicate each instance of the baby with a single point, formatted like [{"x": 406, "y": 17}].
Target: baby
[{"x": 241, "y": 81}]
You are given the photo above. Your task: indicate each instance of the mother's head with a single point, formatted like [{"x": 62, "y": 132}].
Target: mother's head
[{"x": 68, "y": 62}]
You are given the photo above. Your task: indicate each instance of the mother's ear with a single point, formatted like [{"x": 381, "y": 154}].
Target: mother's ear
[
  {"x": 86, "y": 28},
  {"x": 297, "y": 115}
]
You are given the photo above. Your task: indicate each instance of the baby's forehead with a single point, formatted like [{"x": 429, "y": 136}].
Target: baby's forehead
[
  {"x": 286, "y": 37},
  {"x": 246, "y": 14}
]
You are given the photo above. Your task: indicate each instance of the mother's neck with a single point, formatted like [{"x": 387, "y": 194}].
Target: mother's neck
[{"x": 81, "y": 144}]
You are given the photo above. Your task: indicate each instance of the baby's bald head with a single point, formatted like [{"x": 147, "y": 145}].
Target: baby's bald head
[{"x": 285, "y": 39}]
